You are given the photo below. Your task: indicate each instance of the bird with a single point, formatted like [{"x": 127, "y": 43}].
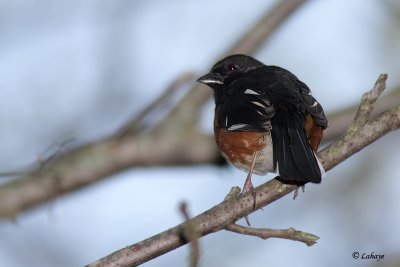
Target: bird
[{"x": 266, "y": 120}]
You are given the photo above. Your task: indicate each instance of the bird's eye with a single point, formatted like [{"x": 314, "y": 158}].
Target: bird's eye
[{"x": 232, "y": 67}]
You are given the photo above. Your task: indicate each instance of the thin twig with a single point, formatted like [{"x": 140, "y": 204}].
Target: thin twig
[
  {"x": 53, "y": 151},
  {"x": 265, "y": 233},
  {"x": 359, "y": 137},
  {"x": 368, "y": 100},
  {"x": 339, "y": 121},
  {"x": 363, "y": 127},
  {"x": 189, "y": 233},
  {"x": 49, "y": 154}
]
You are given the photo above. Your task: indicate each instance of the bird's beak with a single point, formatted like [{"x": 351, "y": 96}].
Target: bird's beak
[{"x": 211, "y": 78}]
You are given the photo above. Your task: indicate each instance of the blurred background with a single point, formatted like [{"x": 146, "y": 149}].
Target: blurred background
[{"x": 83, "y": 68}]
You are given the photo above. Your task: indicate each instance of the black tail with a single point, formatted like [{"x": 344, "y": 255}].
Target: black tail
[{"x": 294, "y": 158}]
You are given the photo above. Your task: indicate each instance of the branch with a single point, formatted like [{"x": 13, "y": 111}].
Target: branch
[
  {"x": 265, "y": 233},
  {"x": 368, "y": 100},
  {"x": 339, "y": 121},
  {"x": 165, "y": 144},
  {"x": 233, "y": 208},
  {"x": 189, "y": 233},
  {"x": 363, "y": 130}
]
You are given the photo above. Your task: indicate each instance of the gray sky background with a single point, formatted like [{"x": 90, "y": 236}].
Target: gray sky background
[{"x": 82, "y": 68}]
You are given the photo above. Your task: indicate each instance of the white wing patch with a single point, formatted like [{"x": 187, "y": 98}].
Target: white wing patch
[
  {"x": 251, "y": 92},
  {"x": 277, "y": 169},
  {"x": 321, "y": 168},
  {"x": 302, "y": 144},
  {"x": 258, "y": 104},
  {"x": 237, "y": 126}
]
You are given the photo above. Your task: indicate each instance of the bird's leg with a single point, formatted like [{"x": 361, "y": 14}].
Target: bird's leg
[{"x": 248, "y": 185}]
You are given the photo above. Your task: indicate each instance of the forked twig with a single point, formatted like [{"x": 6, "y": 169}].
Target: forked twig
[{"x": 265, "y": 233}]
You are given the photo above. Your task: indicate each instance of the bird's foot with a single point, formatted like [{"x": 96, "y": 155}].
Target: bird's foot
[{"x": 296, "y": 191}]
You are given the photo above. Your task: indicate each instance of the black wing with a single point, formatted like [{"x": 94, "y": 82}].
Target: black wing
[
  {"x": 294, "y": 159},
  {"x": 313, "y": 107},
  {"x": 246, "y": 107}
]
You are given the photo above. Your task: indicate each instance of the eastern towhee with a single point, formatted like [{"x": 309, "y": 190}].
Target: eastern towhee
[{"x": 266, "y": 120}]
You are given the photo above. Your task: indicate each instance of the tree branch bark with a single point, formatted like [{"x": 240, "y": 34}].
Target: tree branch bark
[
  {"x": 265, "y": 233},
  {"x": 360, "y": 134},
  {"x": 340, "y": 120}
]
